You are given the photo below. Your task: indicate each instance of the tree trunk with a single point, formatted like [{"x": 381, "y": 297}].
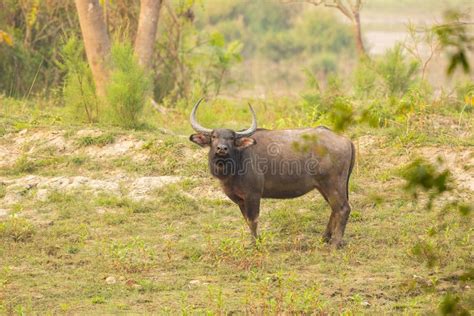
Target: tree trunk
[
  {"x": 358, "y": 36},
  {"x": 146, "y": 32},
  {"x": 96, "y": 40}
]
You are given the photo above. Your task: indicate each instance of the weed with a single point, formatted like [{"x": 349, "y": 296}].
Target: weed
[
  {"x": 3, "y": 190},
  {"x": 132, "y": 256},
  {"x": 23, "y": 165},
  {"x": 102, "y": 140},
  {"x": 78, "y": 160},
  {"x": 98, "y": 299},
  {"x": 17, "y": 229}
]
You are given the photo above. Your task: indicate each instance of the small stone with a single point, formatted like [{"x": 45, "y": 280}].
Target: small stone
[
  {"x": 110, "y": 280},
  {"x": 130, "y": 282},
  {"x": 3, "y": 212},
  {"x": 194, "y": 282},
  {"x": 101, "y": 211},
  {"x": 365, "y": 304},
  {"x": 42, "y": 195}
]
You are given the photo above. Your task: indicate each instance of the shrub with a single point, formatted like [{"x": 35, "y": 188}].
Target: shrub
[
  {"x": 366, "y": 79},
  {"x": 79, "y": 89},
  {"x": 128, "y": 88},
  {"x": 389, "y": 75},
  {"x": 397, "y": 73}
]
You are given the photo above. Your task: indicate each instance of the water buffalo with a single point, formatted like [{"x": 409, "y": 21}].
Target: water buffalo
[{"x": 282, "y": 164}]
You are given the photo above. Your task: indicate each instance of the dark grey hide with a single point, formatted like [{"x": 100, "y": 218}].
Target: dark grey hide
[{"x": 281, "y": 164}]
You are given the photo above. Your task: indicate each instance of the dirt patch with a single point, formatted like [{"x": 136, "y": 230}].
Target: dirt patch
[
  {"x": 139, "y": 188},
  {"x": 459, "y": 162}
]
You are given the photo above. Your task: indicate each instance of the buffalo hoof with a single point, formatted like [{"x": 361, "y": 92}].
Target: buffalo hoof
[
  {"x": 337, "y": 244},
  {"x": 326, "y": 237}
]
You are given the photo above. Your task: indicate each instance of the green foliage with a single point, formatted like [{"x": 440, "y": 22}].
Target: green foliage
[
  {"x": 28, "y": 67},
  {"x": 128, "y": 87},
  {"x": 341, "y": 113},
  {"x": 398, "y": 74},
  {"x": 191, "y": 60},
  {"x": 222, "y": 58},
  {"x": 79, "y": 88},
  {"x": 465, "y": 93},
  {"x": 423, "y": 175},
  {"x": 426, "y": 251},
  {"x": 281, "y": 32},
  {"x": 451, "y": 305},
  {"x": 455, "y": 38},
  {"x": 366, "y": 79},
  {"x": 388, "y": 75}
]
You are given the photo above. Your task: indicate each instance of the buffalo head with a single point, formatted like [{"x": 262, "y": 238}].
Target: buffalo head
[{"x": 225, "y": 144}]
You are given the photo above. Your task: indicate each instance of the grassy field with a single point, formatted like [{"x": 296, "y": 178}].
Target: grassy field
[{"x": 183, "y": 247}]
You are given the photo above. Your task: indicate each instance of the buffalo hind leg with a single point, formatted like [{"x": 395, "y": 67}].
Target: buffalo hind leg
[
  {"x": 340, "y": 210},
  {"x": 328, "y": 232},
  {"x": 341, "y": 213}
]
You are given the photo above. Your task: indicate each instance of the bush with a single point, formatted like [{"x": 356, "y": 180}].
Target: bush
[
  {"x": 128, "y": 88},
  {"x": 397, "y": 73},
  {"x": 366, "y": 79},
  {"x": 465, "y": 92},
  {"x": 389, "y": 75},
  {"x": 79, "y": 88}
]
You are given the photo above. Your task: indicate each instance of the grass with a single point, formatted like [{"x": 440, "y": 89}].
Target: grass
[
  {"x": 188, "y": 251},
  {"x": 100, "y": 140}
]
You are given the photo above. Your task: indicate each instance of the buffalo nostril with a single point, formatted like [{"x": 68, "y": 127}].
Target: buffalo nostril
[{"x": 222, "y": 149}]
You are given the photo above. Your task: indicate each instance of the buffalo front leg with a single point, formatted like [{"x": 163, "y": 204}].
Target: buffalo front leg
[
  {"x": 329, "y": 228},
  {"x": 252, "y": 211}
]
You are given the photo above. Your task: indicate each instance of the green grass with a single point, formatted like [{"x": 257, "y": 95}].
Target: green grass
[
  {"x": 187, "y": 251},
  {"x": 101, "y": 140}
]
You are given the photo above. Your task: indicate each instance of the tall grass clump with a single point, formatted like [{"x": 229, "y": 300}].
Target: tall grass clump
[
  {"x": 128, "y": 88},
  {"x": 79, "y": 88}
]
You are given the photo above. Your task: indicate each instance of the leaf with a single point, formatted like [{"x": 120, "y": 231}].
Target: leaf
[
  {"x": 4, "y": 37},
  {"x": 217, "y": 40},
  {"x": 33, "y": 13}
]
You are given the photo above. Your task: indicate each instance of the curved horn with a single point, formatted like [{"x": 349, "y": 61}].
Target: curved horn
[
  {"x": 194, "y": 123},
  {"x": 252, "y": 128}
]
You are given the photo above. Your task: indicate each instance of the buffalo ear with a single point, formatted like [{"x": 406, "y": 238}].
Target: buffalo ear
[
  {"x": 202, "y": 140},
  {"x": 245, "y": 142}
]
